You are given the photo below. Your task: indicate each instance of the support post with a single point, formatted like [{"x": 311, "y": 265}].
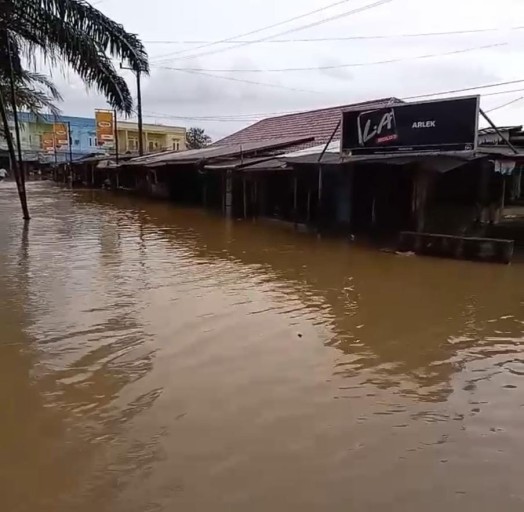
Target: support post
[
  {"x": 204, "y": 189},
  {"x": 319, "y": 197},
  {"x": 295, "y": 199},
  {"x": 503, "y": 199},
  {"x": 483, "y": 192},
  {"x": 229, "y": 194},
  {"x": 244, "y": 187},
  {"x": 255, "y": 199},
  {"x": 309, "y": 205},
  {"x": 262, "y": 195},
  {"x": 223, "y": 189},
  {"x": 319, "y": 205},
  {"x": 421, "y": 183}
]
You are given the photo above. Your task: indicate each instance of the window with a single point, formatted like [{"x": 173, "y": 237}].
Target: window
[
  {"x": 92, "y": 141},
  {"x": 176, "y": 144},
  {"x": 77, "y": 142},
  {"x": 132, "y": 144}
]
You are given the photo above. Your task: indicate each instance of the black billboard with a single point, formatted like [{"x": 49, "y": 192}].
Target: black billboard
[{"x": 441, "y": 125}]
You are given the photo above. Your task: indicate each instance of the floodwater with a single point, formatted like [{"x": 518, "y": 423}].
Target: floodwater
[{"x": 154, "y": 359}]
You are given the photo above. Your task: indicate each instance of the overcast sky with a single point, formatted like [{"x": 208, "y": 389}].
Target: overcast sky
[{"x": 224, "y": 105}]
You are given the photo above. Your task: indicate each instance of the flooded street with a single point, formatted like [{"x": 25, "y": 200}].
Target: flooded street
[{"x": 156, "y": 358}]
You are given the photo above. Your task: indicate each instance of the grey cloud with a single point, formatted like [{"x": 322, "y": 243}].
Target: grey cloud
[{"x": 182, "y": 98}]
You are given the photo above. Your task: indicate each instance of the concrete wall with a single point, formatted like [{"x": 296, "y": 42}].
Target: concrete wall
[
  {"x": 83, "y": 135},
  {"x": 156, "y": 137}
]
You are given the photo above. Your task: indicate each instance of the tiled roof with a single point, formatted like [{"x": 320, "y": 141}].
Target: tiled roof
[{"x": 314, "y": 123}]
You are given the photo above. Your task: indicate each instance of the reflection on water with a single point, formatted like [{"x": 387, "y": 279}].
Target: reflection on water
[{"x": 154, "y": 358}]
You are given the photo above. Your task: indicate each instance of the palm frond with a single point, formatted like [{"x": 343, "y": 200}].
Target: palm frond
[
  {"x": 74, "y": 32},
  {"x": 109, "y": 36},
  {"x": 40, "y": 80},
  {"x": 35, "y": 101}
]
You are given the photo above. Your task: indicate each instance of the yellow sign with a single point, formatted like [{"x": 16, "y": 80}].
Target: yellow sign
[
  {"x": 48, "y": 141},
  {"x": 61, "y": 135},
  {"x": 105, "y": 131}
]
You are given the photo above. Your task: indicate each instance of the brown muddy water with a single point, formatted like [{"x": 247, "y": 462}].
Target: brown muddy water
[{"x": 154, "y": 358}]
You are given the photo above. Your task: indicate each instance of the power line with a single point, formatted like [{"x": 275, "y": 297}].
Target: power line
[
  {"x": 233, "y": 79},
  {"x": 207, "y": 44},
  {"x": 378, "y": 3},
  {"x": 208, "y": 73},
  {"x": 339, "y": 66},
  {"x": 230, "y": 117},
  {"x": 255, "y": 116},
  {"x": 191, "y": 118},
  {"x": 466, "y": 89},
  {"x": 330, "y": 39},
  {"x": 498, "y": 93},
  {"x": 505, "y": 104}
]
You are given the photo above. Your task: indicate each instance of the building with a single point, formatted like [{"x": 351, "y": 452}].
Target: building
[
  {"x": 320, "y": 124},
  {"x": 33, "y": 131},
  {"x": 443, "y": 191},
  {"x": 156, "y": 137}
]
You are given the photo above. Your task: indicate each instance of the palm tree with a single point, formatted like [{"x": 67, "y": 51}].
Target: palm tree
[
  {"x": 71, "y": 32},
  {"x": 33, "y": 92}
]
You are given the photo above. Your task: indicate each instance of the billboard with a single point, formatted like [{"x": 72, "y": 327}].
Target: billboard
[
  {"x": 105, "y": 131},
  {"x": 61, "y": 135},
  {"x": 438, "y": 125},
  {"x": 48, "y": 141}
]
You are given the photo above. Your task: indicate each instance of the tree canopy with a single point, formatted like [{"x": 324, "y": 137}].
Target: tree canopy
[{"x": 196, "y": 138}]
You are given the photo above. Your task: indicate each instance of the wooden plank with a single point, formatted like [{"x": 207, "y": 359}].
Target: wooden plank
[{"x": 458, "y": 247}]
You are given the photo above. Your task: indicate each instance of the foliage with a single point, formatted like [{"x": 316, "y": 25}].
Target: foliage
[
  {"x": 34, "y": 93},
  {"x": 196, "y": 138},
  {"x": 75, "y": 33}
]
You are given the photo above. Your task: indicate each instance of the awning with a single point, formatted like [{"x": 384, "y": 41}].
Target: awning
[{"x": 441, "y": 161}]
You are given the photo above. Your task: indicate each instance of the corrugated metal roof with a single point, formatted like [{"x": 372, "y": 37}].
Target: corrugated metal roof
[
  {"x": 400, "y": 158},
  {"x": 218, "y": 152},
  {"x": 332, "y": 154},
  {"x": 317, "y": 124},
  {"x": 273, "y": 165},
  {"x": 489, "y": 130},
  {"x": 333, "y": 147},
  {"x": 500, "y": 150},
  {"x": 238, "y": 163}
]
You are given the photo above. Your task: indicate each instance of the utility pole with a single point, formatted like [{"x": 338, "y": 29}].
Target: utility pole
[
  {"x": 70, "y": 142},
  {"x": 54, "y": 146},
  {"x": 139, "y": 109},
  {"x": 115, "y": 125}
]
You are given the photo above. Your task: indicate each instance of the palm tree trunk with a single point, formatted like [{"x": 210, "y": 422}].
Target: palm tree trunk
[
  {"x": 21, "y": 170},
  {"x": 13, "y": 157}
]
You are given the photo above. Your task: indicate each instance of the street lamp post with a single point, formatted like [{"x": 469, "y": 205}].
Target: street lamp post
[{"x": 139, "y": 109}]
